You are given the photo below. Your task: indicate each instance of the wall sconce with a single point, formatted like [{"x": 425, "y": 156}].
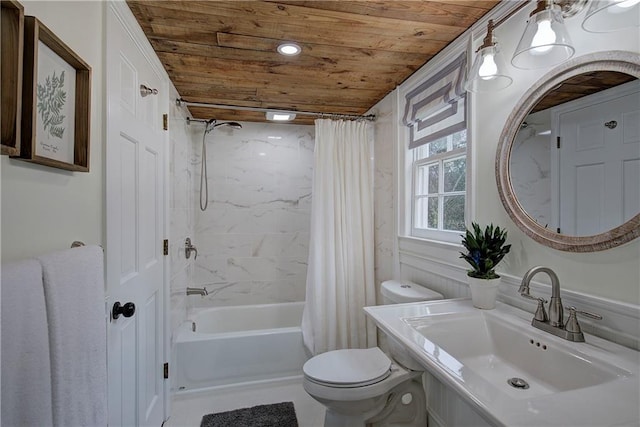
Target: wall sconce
[
  {"x": 611, "y": 15},
  {"x": 545, "y": 41},
  {"x": 488, "y": 70}
]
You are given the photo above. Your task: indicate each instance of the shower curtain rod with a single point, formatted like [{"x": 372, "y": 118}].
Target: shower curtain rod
[{"x": 181, "y": 102}]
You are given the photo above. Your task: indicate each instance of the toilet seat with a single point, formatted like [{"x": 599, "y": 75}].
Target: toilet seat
[
  {"x": 323, "y": 391},
  {"x": 348, "y": 368}
]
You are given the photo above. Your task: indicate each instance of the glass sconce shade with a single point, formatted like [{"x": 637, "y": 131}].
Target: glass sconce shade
[
  {"x": 488, "y": 71},
  {"x": 545, "y": 41},
  {"x": 611, "y": 15}
]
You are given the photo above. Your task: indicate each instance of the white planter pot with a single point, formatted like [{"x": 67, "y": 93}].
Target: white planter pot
[{"x": 484, "y": 292}]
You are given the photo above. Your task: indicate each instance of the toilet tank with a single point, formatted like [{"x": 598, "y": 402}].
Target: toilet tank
[
  {"x": 401, "y": 291},
  {"x": 398, "y": 292}
]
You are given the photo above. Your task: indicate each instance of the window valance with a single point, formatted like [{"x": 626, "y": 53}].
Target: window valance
[{"x": 436, "y": 107}]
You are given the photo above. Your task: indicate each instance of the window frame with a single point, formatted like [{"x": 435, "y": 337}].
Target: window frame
[
  {"x": 439, "y": 159},
  {"x": 404, "y": 157}
]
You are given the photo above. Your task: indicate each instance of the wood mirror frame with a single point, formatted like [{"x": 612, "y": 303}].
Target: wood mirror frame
[{"x": 620, "y": 61}]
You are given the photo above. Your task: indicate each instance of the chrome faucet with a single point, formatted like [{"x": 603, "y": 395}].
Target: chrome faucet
[
  {"x": 554, "y": 322},
  {"x": 197, "y": 291},
  {"x": 555, "y": 307}
]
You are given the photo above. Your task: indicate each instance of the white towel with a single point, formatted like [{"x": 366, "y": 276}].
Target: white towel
[
  {"x": 26, "y": 370},
  {"x": 74, "y": 295}
]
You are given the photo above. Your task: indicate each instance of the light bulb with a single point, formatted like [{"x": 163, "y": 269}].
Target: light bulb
[
  {"x": 544, "y": 37},
  {"x": 489, "y": 68},
  {"x": 623, "y": 6}
]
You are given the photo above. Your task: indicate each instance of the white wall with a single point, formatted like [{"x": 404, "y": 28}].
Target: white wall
[
  {"x": 610, "y": 274},
  {"x": 45, "y": 209},
  {"x": 253, "y": 239},
  {"x": 596, "y": 281}
]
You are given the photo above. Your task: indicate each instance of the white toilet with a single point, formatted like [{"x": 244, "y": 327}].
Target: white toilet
[{"x": 364, "y": 386}]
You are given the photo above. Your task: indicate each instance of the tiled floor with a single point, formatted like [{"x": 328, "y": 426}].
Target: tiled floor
[{"x": 187, "y": 409}]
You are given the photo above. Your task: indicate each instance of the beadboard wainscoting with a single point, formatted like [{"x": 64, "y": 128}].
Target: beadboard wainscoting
[
  {"x": 424, "y": 262},
  {"x": 445, "y": 407}
]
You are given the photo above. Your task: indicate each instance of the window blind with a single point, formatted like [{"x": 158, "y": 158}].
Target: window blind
[{"x": 436, "y": 107}]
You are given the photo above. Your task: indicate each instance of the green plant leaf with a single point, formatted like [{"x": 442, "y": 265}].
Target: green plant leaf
[{"x": 485, "y": 249}]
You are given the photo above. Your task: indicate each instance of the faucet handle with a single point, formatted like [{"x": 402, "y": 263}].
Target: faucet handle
[
  {"x": 572, "y": 324},
  {"x": 188, "y": 248},
  {"x": 541, "y": 313}
]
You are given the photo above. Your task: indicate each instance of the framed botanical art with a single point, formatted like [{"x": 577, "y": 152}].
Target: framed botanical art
[
  {"x": 56, "y": 101},
  {"x": 11, "y": 75}
]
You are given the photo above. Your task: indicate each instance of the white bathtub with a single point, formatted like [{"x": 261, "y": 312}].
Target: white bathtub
[{"x": 240, "y": 344}]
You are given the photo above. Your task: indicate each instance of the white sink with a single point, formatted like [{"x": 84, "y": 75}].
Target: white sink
[
  {"x": 477, "y": 351},
  {"x": 493, "y": 347}
]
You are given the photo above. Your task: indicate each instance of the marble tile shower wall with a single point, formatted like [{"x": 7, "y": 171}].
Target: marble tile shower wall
[
  {"x": 253, "y": 239},
  {"x": 385, "y": 233},
  {"x": 531, "y": 157},
  {"x": 181, "y": 209}
]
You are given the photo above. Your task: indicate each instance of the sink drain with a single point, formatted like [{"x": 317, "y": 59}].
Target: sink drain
[{"x": 518, "y": 383}]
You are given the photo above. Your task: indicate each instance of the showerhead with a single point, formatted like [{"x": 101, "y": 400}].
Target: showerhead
[
  {"x": 234, "y": 125},
  {"x": 211, "y": 124}
]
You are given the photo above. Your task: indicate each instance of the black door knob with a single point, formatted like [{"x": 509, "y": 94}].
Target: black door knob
[{"x": 126, "y": 310}]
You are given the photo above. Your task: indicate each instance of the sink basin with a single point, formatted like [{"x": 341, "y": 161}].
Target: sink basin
[
  {"x": 495, "y": 348},
  {"x": 477, "y": 352}
]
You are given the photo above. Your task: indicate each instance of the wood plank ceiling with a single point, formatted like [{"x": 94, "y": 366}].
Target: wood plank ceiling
[{"x": 353, "y": 52}]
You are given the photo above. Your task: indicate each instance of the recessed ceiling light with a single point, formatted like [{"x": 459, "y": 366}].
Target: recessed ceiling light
[
  {"x": 280, "y": 117},
  {"x": 289, "y": 49}
]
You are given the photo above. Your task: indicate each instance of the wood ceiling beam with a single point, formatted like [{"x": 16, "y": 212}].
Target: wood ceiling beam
[
  {"x": 431, "y": 12},
  {"x": 247, "y": 71},
  {"x": 312, "y": 56},
  {"x": 323, "y": 69},
  {"x": 274, "y": 96},
  {"x": 238, "y": 41},
  {"x": 168, "y": 20}
]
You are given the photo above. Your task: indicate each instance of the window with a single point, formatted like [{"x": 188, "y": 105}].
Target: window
[
  {"x": 435, "y": 116},
  {"x": 439, "y": 186}
]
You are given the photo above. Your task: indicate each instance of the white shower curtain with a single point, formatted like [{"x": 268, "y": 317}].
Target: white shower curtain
[{"x": 340, "y": 274}]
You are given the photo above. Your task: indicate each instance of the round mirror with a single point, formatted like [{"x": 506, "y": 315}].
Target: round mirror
[{"x": 568, "y": 161}]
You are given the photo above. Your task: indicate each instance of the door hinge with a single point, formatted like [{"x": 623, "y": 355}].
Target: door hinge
[
  {"x": 558, "y": 142},
  {"x": 166, "y": 371},
  {"x": 165, "y": 247},
  {"x": 165, "y": 122}
]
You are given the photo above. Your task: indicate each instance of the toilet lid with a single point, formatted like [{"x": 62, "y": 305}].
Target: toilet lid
[{"x": 353, "y": 367}]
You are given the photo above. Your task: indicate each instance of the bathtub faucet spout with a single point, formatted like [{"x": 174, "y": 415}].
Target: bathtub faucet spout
[{"x": 197, "y": 291}]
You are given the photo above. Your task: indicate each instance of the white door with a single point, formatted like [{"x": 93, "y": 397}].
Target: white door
[
  {"x": 599, "y": 162},
  {"x": 135, "y": 265}
]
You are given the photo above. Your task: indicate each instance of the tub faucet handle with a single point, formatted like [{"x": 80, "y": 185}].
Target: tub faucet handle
[{"x": 188, "y": 248}]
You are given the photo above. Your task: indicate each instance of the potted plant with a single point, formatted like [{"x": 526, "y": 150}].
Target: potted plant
[{"x": 485, "y": 249}]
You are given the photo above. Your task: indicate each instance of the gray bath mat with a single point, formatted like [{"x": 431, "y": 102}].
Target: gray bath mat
[{"x": 274, "y": 415}]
